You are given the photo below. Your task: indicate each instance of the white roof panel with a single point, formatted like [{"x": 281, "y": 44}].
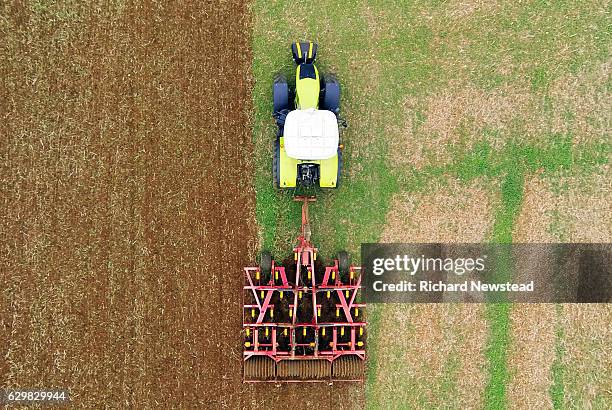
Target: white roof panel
[{"x": 311, "y": 134}]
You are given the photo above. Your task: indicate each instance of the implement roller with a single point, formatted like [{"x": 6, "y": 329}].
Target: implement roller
[{"x": 303, "y": 321}]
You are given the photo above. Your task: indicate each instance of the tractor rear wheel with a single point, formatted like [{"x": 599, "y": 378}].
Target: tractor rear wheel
[{"x": 331, "y": 95}]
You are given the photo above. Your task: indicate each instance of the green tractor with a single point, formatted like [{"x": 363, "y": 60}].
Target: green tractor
[{"x": 307, "y": 151}]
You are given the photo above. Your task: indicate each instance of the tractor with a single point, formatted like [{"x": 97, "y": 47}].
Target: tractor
[
  {"x": 304, "y": 320},
  {"x": 307, "y": 150}
]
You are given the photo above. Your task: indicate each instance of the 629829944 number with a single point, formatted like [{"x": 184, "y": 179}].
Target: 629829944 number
[{"x": 9, "y": 396}]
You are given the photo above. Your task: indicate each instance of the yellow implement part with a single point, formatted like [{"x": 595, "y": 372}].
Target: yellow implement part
[
  {"x": 337, "y": 312},
  {"x": 267, "y": 332},
  {"x": 304, "y": 331},
  {"x": 281, "y": 294},
  {"x": 356, "y": 312},
  {"x": 342, "y": 331},
  {"x": 323, "y": 331},
  {"x": 329, "y": 172},
  {"x": 328, "y": 294},
  {"x": 248, "y": 331},
  {"x": 247, "y": 344}
]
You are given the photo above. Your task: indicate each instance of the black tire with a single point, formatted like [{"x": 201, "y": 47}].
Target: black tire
[
  {"x": 280, "y": 93},
  {"x": 276, "y": 165},
  {"x": 331, "y": 95},
  {"x": 265, "y": 266},
  {"x": 344, "y": 263}
]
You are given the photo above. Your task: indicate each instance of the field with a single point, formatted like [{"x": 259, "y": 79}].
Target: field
[
  {"x": 468, "y": 122},
  {"x": 135, "y": 169},
  {"x": 122, "y": 242}
]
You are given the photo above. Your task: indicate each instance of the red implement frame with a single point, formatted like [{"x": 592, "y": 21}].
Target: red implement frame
[{"x": 330, "y": 339}]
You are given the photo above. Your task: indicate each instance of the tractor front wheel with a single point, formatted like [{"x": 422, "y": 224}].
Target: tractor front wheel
[{"x": 280, "y": 93}]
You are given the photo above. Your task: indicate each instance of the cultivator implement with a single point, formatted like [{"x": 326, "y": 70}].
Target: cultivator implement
[{"x": 302, "y": 320}]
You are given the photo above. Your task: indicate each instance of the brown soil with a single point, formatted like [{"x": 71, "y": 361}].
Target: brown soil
[{"x": 128, "y": 213}]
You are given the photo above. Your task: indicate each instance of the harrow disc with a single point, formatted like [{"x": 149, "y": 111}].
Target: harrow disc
[
  {"x": 348, "y": 368},
  {"x": 259, "y": 368},
  {"x": 304, "y": 369}
]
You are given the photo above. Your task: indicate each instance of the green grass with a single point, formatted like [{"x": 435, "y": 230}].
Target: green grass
[
  {"x": 557, "y": 390},
  {"x": 373, "y": 335},
  {"x": 498, "y": 315},
  {"x": 385, "y": 52}
]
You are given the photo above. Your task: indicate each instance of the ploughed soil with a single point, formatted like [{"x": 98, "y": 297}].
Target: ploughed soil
[{"x": 127, "y": 207}]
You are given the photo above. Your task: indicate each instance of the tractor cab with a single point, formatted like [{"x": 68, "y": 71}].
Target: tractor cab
[{"x": 307, "y": 150}]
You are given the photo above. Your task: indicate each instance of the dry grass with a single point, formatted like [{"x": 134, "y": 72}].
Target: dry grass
[
  {"x": 431, "y": 355},
  {"x": 407, "y": 334},
  {"x": 462, "y": 114},
  {"x": 586, "y": 207},
  {"x": 581, "y": 104},
  {"x": 535, "y": 219},
  {"x": 575, "y": 209},
  {"x": 450, "y": 116},
  {"x": 459, "y": 11},
  {"x": 383, "y": 22},
  {"x": 532, "y": 352},
  {"x": 588, "y": 355},
  {"x": 471, "y": 375},
  {"x": 453, "y": 213}
]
